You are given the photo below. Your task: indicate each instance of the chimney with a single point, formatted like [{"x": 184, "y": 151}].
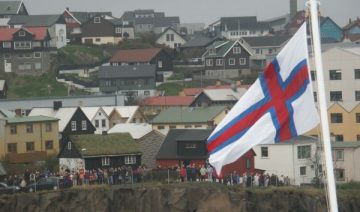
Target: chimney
[
  {"x": 18, "y": 112},
  {"x": 68, "y": 9},
  {"x": 57, "y": 105},
  {"x": 293, "y": 8}
]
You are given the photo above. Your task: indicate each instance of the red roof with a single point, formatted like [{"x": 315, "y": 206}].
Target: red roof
[
  {"x": 192, "y": 91},
  {"x": 169, "y": 101},
  {"x": 135, "y": 55},
  {"x": 6, "y": 34}
]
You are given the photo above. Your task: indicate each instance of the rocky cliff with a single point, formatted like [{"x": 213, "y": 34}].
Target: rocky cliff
[{"x": 199, "y": 197}]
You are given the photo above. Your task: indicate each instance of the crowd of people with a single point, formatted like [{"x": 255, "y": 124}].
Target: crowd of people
[{"x": 124, "y": 174}]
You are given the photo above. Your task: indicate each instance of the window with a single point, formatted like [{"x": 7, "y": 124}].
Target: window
[
  {"x": 146, "y": 93},
  {"x": 96, "y": 123},
  {"x": 231, "y": 61},
  {"x": 7, "y": 45},
  {"x": 37, "y": 54},
  {"x": 130, "y": 159},
  {"x": 313, "y": 75},
  {"x": 97, "y": 20},
  {"x": 160, "y": 127},
  {"x": 187, "y": 126},
  {"x": 7, "y": 56},
  {"x": 30, "y": 147},
  {"x": 21, "y": 33},
  {"x": 340, "y": 174},
  {"x": 118, "y": 30},
  {"x": 167, "y": 37},
  {"x": 49, "y": 145},
  {"x": 219, "y": 62},
  {"x": 242, "y": 61},
  {"x": 73, "y": 125},
  {"x": 97, "y": 39},
  {"x": 339, "y": 138},
  {"x": 12, "y": 148},
  {"x": 172, "y": 37},
  {"x": 29, "y": 128},
  {"x": 304, "y": 152},
  {"x": 336, "y": 118},
  {"x": 237, "y": 50},
  {"x": 264, "y": 152},
  {"x": 209, "y": 62},
  {"x": 212, "y": 51},
  {"x": 13, "y": 129},
  {"x": 358, "y": 137},
  {"x": 339, "y": 154},
  {"x": 197, "y": 125},
  {"x": 172, "y": 126},
  {"x": 315, "y": 96},
  {"x": 248, "y": 163},
  {"x": 48, "y": 127},
  {"x": 160, "y": 64},
  {"x": 105, "y": 161},
  {"x": 37, "y": 66},
  {"x": 22, "y": 45},
  {"x": 357, "y": 73},
  {"x": 69, "y": 145},
  {"x": 357, "y": 95},
  {"x": 335, "y": 96},
  {"x": 335, "y": 74},
  {"x": 302, "y": 170},
  {"x": 103, "y": 123},
  {"x": 357, "y": 117},
  {"x": 83, "y": 125},
  {"x": 190, "y": 146}
]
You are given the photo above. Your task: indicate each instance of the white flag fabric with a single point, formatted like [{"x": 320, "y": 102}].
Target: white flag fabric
[{"x": 278, "y": 106}]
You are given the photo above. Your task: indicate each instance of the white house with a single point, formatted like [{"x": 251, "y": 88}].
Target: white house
[
  {"x": 98, "y": 118},
  {"x": 291, "y": 158},
  {"x": 346, "y": 166},
  {"x": 171, "y": 38}
]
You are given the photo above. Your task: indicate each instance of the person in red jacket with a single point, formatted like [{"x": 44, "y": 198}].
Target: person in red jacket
[{"x": 182, "y": 173}]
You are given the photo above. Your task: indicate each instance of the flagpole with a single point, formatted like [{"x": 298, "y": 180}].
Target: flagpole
[{"x": 323, "y": 108}]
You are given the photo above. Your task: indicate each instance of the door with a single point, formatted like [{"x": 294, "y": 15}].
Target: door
[{"x": 7, "y": 66}]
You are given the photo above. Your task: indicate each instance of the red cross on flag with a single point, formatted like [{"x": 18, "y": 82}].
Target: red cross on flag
[{"x": 278, "y": 106}]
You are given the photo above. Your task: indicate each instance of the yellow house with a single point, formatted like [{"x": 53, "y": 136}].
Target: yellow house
[
  {"x": 344, "y": 123},
  {"x": 189, "y": 117},
  {"x": 29, "y": 139}
]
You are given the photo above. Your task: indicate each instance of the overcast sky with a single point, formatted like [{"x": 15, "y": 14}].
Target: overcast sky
[{"x": 205, "y": 11}]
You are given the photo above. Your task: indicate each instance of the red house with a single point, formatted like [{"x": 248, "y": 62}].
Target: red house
[{"x": 188, "y": 146}]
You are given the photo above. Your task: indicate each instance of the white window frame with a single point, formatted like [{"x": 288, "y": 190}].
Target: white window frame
[
  {"x": 219, "y": 62},
  {"x": 22, "y": 45},
  {"x": 7, "y": 45},
  {"x": 37, "y": 54},
  {"x": 160, "y": 64},
  {"x": 118, "y": 30},
  {"x": 105, "y": 161},
  {"x": 97, "y": 20},
  {"x": 130, "y": 159},
  {"x": 73, "y": 125},
  {"x": 22, "y": 33},
  {"x": 231, "y": 61},
  {"x": 69, "y": 145},
  {"x": 209, "y": 62},
  {"x": 237, "y": 50},
  {"x": 83, "y": 125},
  {"x": 242, "y": 61},
  {"x": 339, "y": 157},
  {"x": 301, "y": 156}
]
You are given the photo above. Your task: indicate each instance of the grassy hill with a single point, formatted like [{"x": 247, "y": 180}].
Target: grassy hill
[
  {"x": 73, "y": 54},
  {"x": 33, "y": 86}
]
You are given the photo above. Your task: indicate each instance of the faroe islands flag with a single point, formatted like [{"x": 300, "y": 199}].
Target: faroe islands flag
[{"x": 278, "y": 106}]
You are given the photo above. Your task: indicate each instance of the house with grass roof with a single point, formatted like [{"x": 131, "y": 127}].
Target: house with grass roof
[
  {"x": 188, "y": 117},
  {"x": 99, "y": 151}
]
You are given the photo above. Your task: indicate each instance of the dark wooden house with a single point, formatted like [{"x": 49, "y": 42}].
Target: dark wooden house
[
  {"x": 99, "y": 151},
  {"x": 188, "y": 146},
  {"x": 226, "y": 59},
  {"x": 155, "y": 56}
]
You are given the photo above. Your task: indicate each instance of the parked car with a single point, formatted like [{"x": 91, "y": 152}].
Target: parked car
[
  {"x": 49, "y": 183},
  {"x": 8, "y": 189}
]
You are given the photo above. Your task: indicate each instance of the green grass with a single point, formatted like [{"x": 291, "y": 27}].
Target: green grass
[
  {"x": 171, "y": 89},
  {"x": 34, "y": 86},
  {"x": 81, "y": 54}
]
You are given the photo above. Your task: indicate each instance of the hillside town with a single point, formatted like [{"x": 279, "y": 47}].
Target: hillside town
[{"x": 101, "y": 99}]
